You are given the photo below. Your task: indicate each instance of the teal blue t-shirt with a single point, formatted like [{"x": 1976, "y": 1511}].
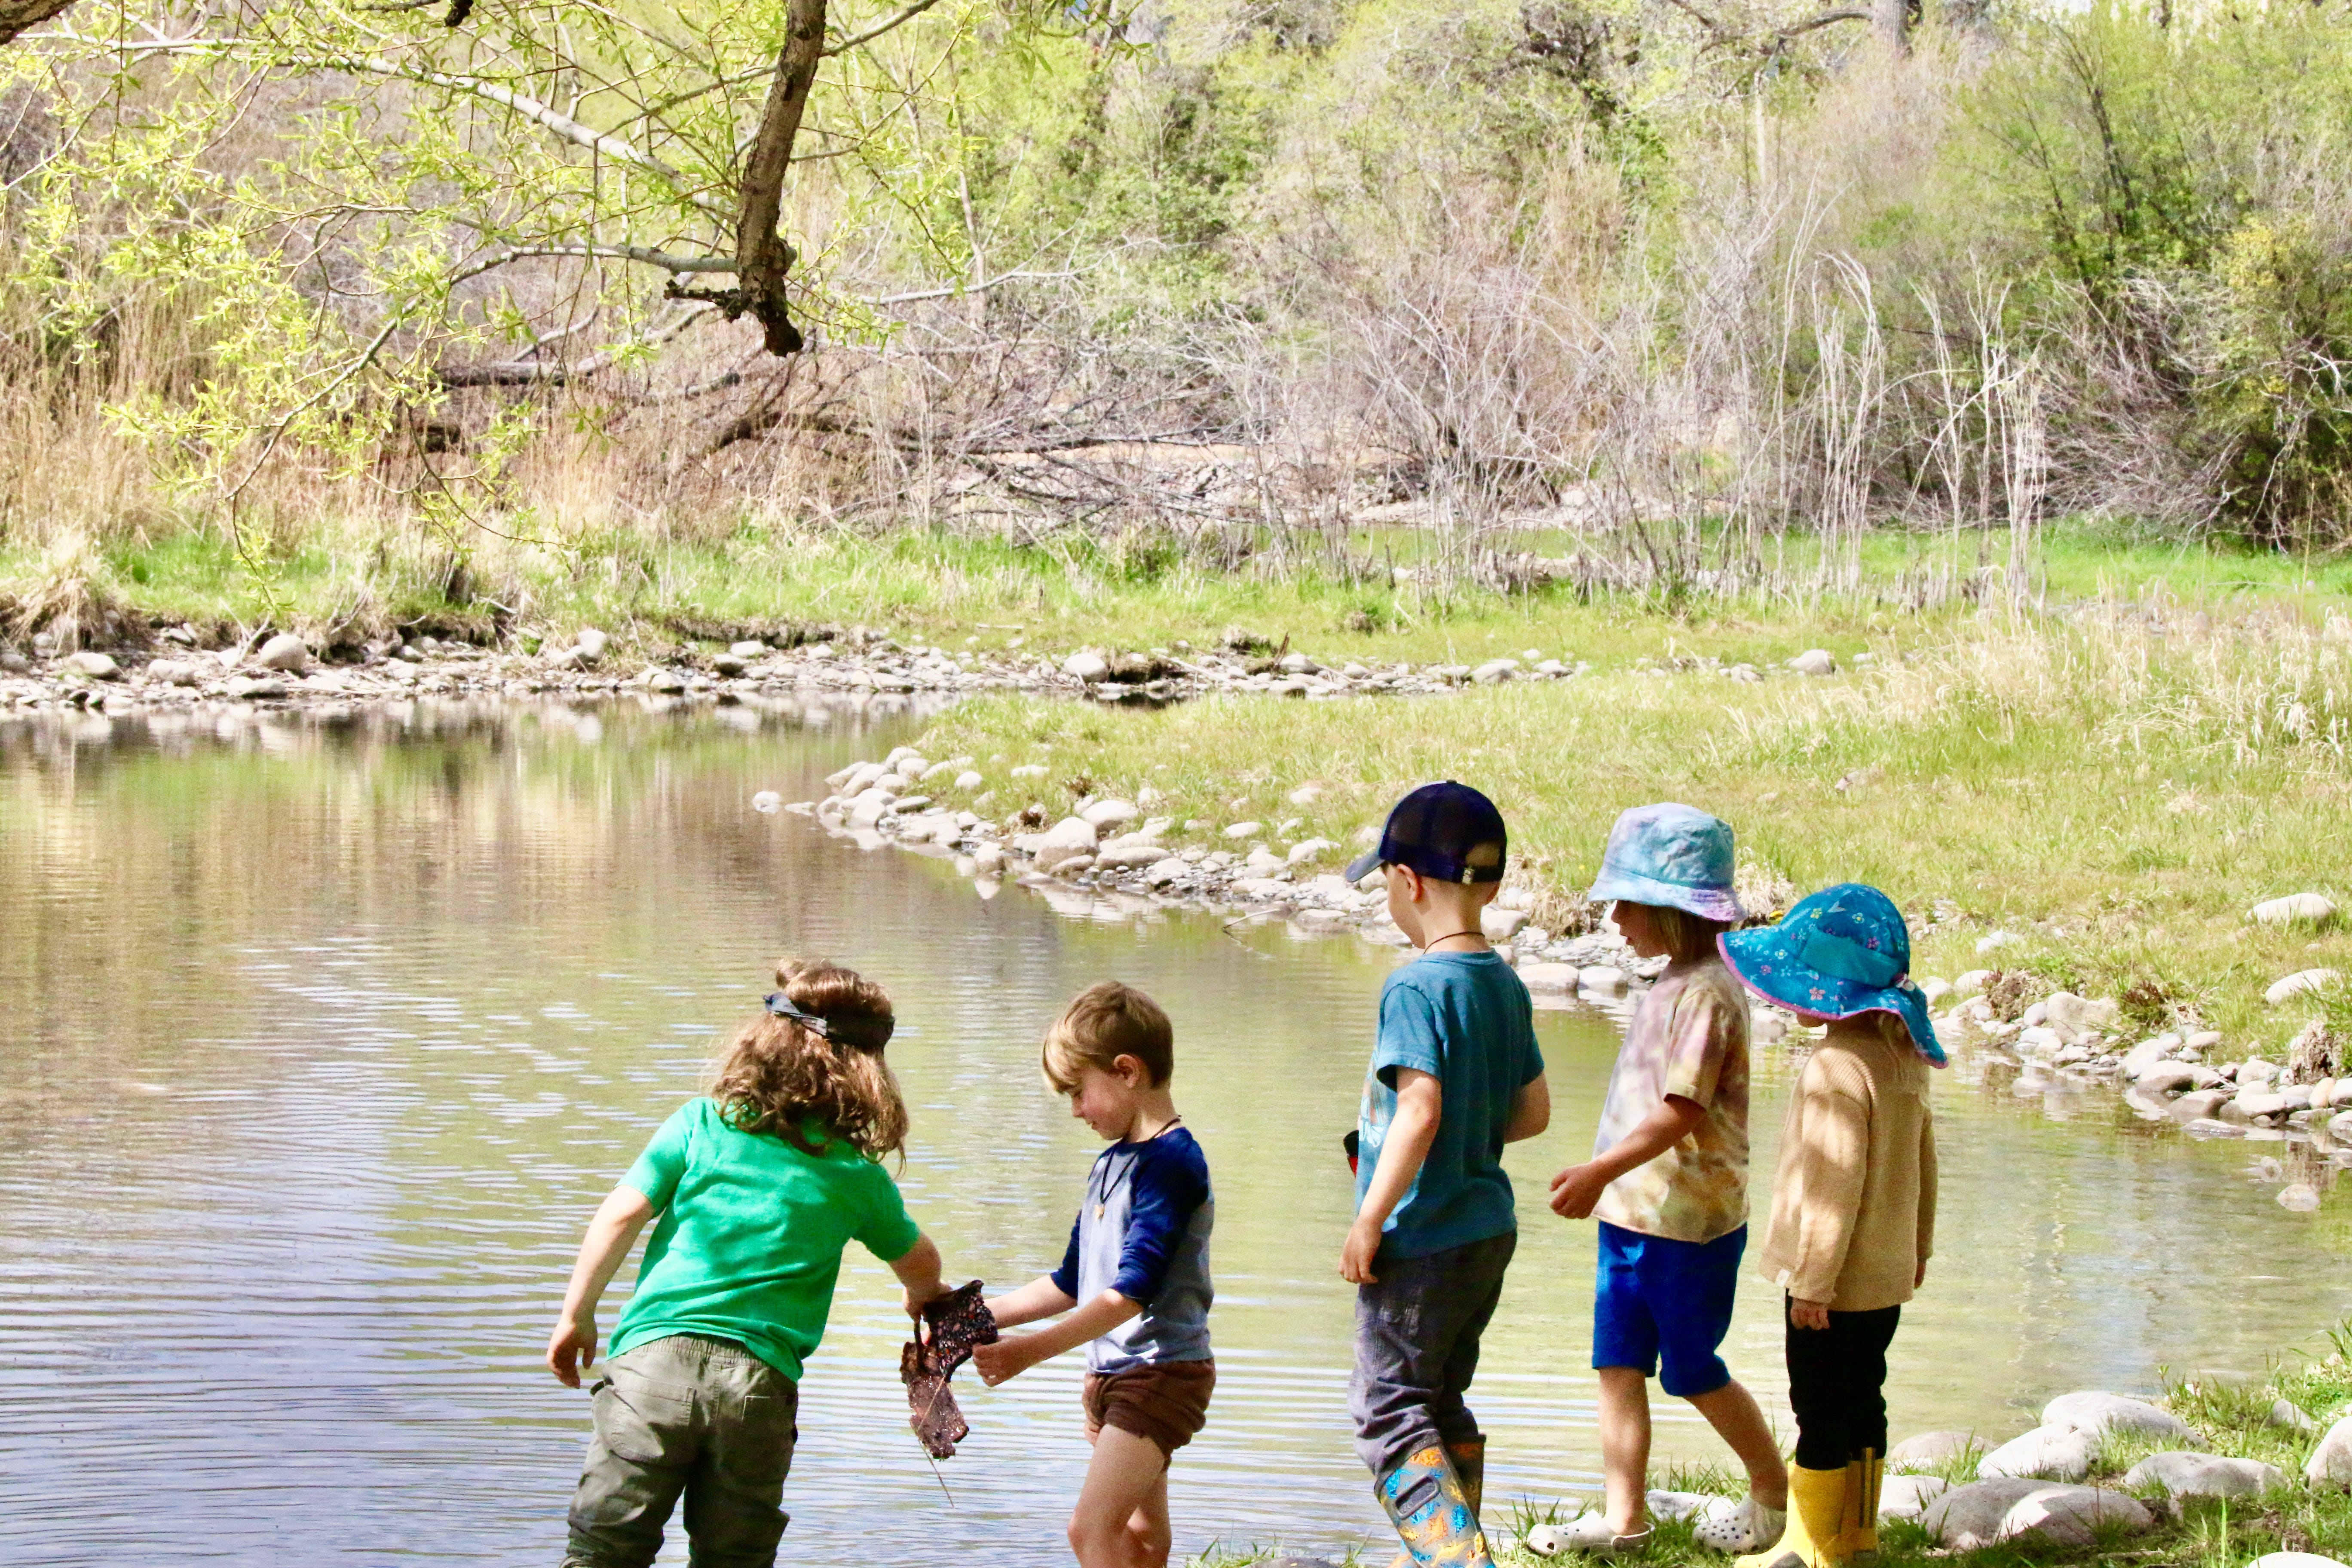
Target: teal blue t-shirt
[
  {"x": 1464, "y": 1019},
  {"x": 748, "y": 1247}
]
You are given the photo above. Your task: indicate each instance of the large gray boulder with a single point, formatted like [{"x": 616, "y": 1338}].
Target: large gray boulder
[
  {"x": 2051, "y": 1453},
  {"x": 2184, "y": 1474},
  {"x": 1970, "y": 1517},
  {"x": 2072, "y": 1516},
  {"x": 2099, "y": 1414}
]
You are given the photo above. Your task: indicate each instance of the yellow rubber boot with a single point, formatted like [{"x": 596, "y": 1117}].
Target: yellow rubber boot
[
  {"x": 1865, "y": 1477},
  {"x": 1469, "y": 1467},
  {"x": 1817, "y": 1519}
]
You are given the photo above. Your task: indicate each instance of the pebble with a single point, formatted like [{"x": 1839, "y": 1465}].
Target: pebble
[
  {"x": 1814, "y": 662},
  {"x": 2299, "y": 1197},
  {"x": 1307, "y": 851},
  {"x": 2181, "y": 1473},
  {"x": 767, "y": 800},
  {"x": 285, "y": 652},
  {"x": 1494, "y": 671},
  {"x": 1244, "y": 830},
  {"x": 2312, "y": 907},
  {"x": 2301, "y": 982},
  {"x": 1110, "y": 813},
  {"x": 2287, "y": 1414}
]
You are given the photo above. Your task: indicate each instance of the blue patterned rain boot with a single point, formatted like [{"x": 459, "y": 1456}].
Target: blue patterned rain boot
[{"x": 1423, "y": 1499}]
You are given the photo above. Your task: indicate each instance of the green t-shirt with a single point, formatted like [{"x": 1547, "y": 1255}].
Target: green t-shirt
[{"x": 748, "y": 1243}]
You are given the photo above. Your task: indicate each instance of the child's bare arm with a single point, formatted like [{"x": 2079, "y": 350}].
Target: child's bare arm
[
  {"x": 610, "y": 1236},
  {"x": 1413, "y": 1128},
  {"x": 1016, "y": 1354},
  {"x": 1575, "y": 1190},
  {"x": 1530, "y": 1110},
  {"x": 918, "y": 1269},
  {"x": 1041, "y": 1297}
]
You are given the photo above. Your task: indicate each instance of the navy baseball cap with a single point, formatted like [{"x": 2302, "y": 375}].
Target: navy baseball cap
[{"x": 1440, "y": 831}]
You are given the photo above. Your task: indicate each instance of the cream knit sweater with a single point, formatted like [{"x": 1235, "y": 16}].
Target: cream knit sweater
[{"x": 1854, "y": 1205}]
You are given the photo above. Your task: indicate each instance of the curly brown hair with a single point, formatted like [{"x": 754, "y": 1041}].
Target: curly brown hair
[{"x": 777, "y": 1073}]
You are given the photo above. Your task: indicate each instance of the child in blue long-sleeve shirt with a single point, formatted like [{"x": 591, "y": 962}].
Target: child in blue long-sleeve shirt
[{"x": 1136, "y": 1272}]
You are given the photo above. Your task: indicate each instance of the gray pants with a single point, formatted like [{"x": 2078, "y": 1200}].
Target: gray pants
[
  {"x": 1417, "y": 1348},
  {"x": 685, "y": 1414}
]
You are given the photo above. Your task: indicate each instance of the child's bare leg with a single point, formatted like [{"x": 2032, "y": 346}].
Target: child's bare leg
[
  {"x": 1624, "y": 1445},
  {"x": 1121, "y": 1519},
  {"x": 1731, "y": 1410}
]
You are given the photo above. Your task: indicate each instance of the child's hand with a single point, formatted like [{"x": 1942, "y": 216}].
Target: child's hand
[
  {"x": 1575, "y": 1190},
  {"x": 570, "y": 1349},
  {"x": 1808, "y": 1314},
  {"x": 1355, "y": 1258},
  {"x": 1007, "y": 1358}
]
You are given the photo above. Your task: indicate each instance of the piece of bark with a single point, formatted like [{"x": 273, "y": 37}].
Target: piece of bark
[{"x": 954, "y": 1323}]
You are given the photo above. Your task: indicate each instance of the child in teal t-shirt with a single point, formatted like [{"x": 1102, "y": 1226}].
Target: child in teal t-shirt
[{"x": 758, "y": 1186}]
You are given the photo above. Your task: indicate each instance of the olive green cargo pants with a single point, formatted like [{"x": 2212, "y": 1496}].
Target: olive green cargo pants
[{"x": 703, "y": 1417}]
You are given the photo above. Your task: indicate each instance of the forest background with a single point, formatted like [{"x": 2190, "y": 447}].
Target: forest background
[{"x": 343, "y": 311}]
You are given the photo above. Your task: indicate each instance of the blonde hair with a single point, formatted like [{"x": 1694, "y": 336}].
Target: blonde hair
[
  {"x": 1102, "y": 1024},
  {"x": 778, "y": 1073},
  {"x": 1688, "y": 936},
  {"x": 1893, "y": 1029}
]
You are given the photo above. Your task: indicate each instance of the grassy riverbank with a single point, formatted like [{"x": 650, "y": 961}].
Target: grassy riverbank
[
  {"x": 2113, "y": 791},
  {"x": 1073, "y": 591},
  {"x": 2233, "y": 1419}
]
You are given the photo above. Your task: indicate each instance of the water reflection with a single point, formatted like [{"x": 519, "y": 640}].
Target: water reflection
[{"x": 322, "y": 1037}]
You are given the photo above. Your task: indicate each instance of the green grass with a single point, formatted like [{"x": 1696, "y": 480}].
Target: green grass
[
  {"x": 2117, "y": 799},
  {"x": 1060, "y": 594}
]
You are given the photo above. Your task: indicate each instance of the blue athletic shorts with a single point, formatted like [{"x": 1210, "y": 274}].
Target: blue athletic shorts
[{"x": 1662, "y": 1303}]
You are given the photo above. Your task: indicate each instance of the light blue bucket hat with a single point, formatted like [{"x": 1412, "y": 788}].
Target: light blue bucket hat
[
  {"x": 1843, "y": 951},
  {"x": 1677, "y": 856}
]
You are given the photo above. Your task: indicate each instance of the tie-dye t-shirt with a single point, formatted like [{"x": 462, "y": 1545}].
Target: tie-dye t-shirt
[{"x": 1689, "y": 1037}]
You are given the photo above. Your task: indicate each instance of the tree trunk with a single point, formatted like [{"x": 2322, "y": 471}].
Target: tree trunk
[
  {"x": 761, "y": 255},
  {"x": 1891, "y": 20},
  {"x": 16, "y": 16}
]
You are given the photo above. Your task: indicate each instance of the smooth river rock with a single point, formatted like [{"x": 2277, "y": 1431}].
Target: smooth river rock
[
  {"x": 2300, "y": 983},
  {"x": 284, "y": 652},
  {"x": 2072, "y": 1515},
  {"x": 91, "y": 666},
  {"x": 2097, "y": 1414},
  {"x": 2294, "y": 1560},
  {"x": 1931, "y": 1449},
  {"x": 1558, "y": 977},
  {"x": 1087, "y": 666},
  {"x": 2164, "y": 1078},
  {"x": 2330, "y": 1464},
  {"x": 1110, "y": 813},
  {"x": 1970, "y": 1517},
  {"x": 2313, "y": 906},
  {"x": 2184, "y": 1474},
  {"x": 1907, "y": 1497},
  {"x": 1814, "y": 662},
  {"x": 2052, "y": 1452},
  {"x": 1606, "y": 979}
]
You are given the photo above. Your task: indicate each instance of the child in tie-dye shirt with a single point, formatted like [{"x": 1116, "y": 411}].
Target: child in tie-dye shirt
[{"x": 1668, "y": 1182}]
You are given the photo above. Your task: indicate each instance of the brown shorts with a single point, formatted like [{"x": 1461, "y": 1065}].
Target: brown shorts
[{"x": 1165, "y": 1404}]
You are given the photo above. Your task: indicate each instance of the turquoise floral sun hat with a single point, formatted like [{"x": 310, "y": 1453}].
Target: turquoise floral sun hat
[
  {"x": 1839, "y": 952},
  {"x": 1677, "y": 856}
]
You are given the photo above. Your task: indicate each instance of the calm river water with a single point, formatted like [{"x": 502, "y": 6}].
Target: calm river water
[{"x": 320, "y": 1039}]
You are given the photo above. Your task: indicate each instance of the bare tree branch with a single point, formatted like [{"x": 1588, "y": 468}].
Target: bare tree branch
[
  {"x": 664, "y": 259},
  {"x": 872, "y": 33},
  {"x": 542, "y": 373}
]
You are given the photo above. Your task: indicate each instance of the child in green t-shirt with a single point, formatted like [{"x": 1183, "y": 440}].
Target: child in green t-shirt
[{"x": 759, "y": 1185}]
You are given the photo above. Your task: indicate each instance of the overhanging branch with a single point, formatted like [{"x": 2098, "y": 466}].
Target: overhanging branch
[
  {"x": 867, "y": 36},
  {"x": 667, "y": 261}
]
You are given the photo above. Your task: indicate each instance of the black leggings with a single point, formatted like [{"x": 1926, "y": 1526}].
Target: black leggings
[{"x": 1837, "y": 1381}]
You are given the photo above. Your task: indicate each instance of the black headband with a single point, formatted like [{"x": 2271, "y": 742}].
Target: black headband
[{"x": 858, "y": 1031}]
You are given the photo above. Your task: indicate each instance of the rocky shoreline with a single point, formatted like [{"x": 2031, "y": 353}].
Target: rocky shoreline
[
  {"x": 182, "y": 665},
  {"x": 2056, "y": 1048}
]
